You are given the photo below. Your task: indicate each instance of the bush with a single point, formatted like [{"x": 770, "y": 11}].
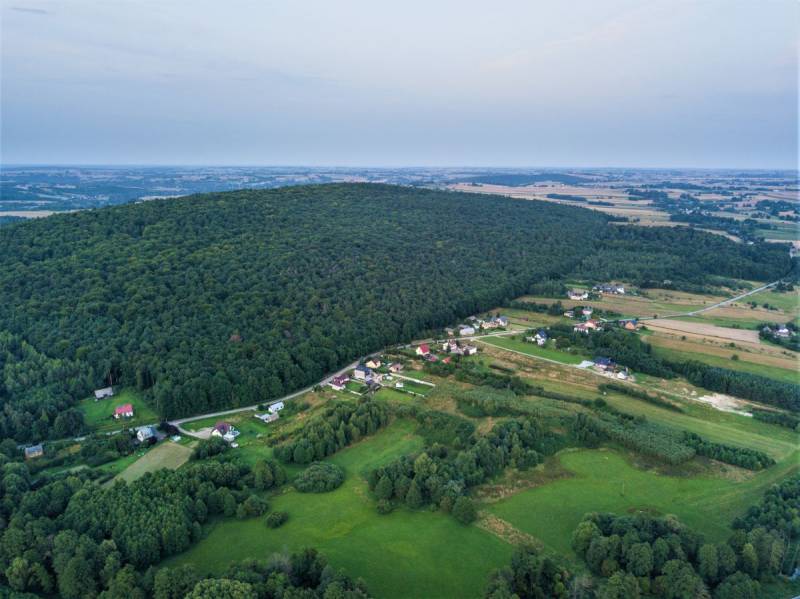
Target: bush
[
  {"x": 464, "y": 510},
  {"x": 208, "y": 448},
  {"x": 384, "y": 506},
  {"x": 319, "y": 477},
  {"x": 252, "y": 506},
  {"x": 276, "y": 519}
]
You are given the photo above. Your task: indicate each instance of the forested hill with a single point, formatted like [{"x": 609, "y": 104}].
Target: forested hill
[{"x": 229, "y": 299}]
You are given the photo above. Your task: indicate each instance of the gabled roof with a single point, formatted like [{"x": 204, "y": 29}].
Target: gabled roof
[
  {"x": 424, "y": 348},
  {"x": 222, "y": 427},
  {"x": 124, "y": 409}
]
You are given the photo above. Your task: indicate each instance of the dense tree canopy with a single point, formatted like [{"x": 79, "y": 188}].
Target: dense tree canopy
[{"x": 232, "y": 298}]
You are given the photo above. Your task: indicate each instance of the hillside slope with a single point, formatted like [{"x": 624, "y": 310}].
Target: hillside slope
[{"x": 228, "y": 299}]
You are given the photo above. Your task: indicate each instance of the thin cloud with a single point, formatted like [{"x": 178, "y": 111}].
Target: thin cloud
[{"x": 33, "y": 11}]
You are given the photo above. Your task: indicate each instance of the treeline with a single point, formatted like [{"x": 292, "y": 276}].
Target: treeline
[
  {"x": 629, "y": 350},
  {"x": 743, "y": 457},
  {"x": 621, "y": 346},
  {"x": 305, "y": 574},
  {"x": 228, "y": 299},
  {"x": 566, "y": 196},
  {"x": 529, "y": 576},
  {"x": 339, "y": 425},
  {"x": 646, "y": 556},
  {"x": 741, "y": 384},
  {"x": 442, "y": 476},
  {"x": 637, "y": 435},
  {"x": 783, "y": 419},
  {"x": 666, "y": 444},
  {"x": 71, "y": 536}
]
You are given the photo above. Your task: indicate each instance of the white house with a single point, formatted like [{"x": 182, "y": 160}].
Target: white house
[
  {"x": 373, "y": 363},
  {"x": 540, "y": 337},
  {"x": 145, "y": 433},
  {"x": 469, "y": 350},
  {"x": 466, "y": 331},
  {"x": 577, "y": 294},
  {"x": 103, "y": 393},
  {"x": 362, "y": 373},
  {"x": 267, "y": 417},
  {"x": 276, "y": 407}
]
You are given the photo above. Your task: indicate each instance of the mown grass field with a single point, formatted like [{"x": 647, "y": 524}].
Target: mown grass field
[
  {"x": 604, "y": 480},
  {"x": 747, "y": 362},
  {"x": 165, "y": 455},
  {"x": 531, "y": 349},
  {"x": 99, "y": 414},
  {"x": 403, "y": 554}
]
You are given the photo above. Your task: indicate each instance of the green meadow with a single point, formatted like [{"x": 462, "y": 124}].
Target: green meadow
[
  {"x": 603, "y": 480},
  {"x": 99, "y": 414},
  {"x": 531, "y": 349},
  {"x": 403, "y": 554}
]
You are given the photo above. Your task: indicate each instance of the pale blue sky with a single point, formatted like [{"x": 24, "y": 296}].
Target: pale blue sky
[{"x": 315, "y": 82}]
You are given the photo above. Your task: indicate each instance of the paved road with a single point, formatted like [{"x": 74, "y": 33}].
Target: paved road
[
  {"x": 180, "y": 421},
  {"x": 730, "y": 300},
  {"x": 478, "y": 338}
]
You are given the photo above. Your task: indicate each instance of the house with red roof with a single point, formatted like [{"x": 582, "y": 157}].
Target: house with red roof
[
  {"x": 123, "y": 411},
  {"x": 423, "y": 350}
]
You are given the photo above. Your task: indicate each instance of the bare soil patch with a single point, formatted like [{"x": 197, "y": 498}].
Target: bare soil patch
[{"x": 699, "y": 329}]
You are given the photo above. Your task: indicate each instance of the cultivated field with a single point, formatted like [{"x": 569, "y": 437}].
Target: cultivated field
[{"x": 699, "y": 330}]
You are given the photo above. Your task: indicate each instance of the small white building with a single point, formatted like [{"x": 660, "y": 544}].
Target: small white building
[
  {"x": 466, "y": 331},
  {"x": 276, "y": 407},
  {"x": 103, "y": 393},
  {"x": 577, "y": 294},
  {"x": 267, "y": 417},
  {"x": 469, "y": 350},
  {"x": 398, "y": 385}
]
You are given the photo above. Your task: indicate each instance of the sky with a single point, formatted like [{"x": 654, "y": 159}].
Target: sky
[{"x": 655, "y": 83}]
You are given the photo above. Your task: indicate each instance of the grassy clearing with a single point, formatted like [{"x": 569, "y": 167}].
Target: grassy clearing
[
  {"x": 99, "y": 415},
  {"x": 531, "y": 349},
  {"x": 165, "y": 455},
  {"x": 603, "y": 480},
  {"x": 789, "y": 302},
  {"x": 403, "y": 554},
  {"x": 418, "y": 388},
  {"x": 747, "y": 362}
]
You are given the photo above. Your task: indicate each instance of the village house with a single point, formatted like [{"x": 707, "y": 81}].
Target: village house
[
  {"x": 398, "y": 385},
  {"x": 226, "y": 431},
  {"x": 570, "y": 313},
  {"x": 586, "y": 327},
  {"x": 469, "y": 350},
  {"x": 338, "y": 382},
  {"x": 362, "y": 373},
  {"x": 541, "y": 337},
  {"x": 34, "y": 451},
  {"x": 783, "y": 332},
  {"x": 103, "y": 393},
  {"x": 373, "y": 363},
  {"x": 466, "y": 331},
  {"x": 587, "y": 311},
  {"x": 276, "y": 407},
  {"x": 266, "y": 418},
  {"x": 623, "y": 375},
  {"x": 577, "y": 294},
  {"x": 604, "y": 364},
  {"x": 123, "y": 411},
  {"x": 612, "y": 288},
  {"x": 395, "y": 367},
  {"x": 431, "y": 358},
  {"x": 145, "y": 433},
  {"x": 632, "y": 325},
  {"x": 423, "y": 350}
]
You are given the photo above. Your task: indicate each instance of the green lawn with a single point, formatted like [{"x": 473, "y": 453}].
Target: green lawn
[
  {"x": 749, "y": 323},
  {"x": 418, "y": 388},
  {"x": 603, "y": 480},
  {"x": 393, "y": 394},
  {"x": 403, "y": 554},
  {"x": 743, "y": 364},
  {"x": 99, "y": 414},
  {"x": 165, "y": 455},
  {"x": 787, "y": 301},
  {"x": 531, "y": 349}
]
